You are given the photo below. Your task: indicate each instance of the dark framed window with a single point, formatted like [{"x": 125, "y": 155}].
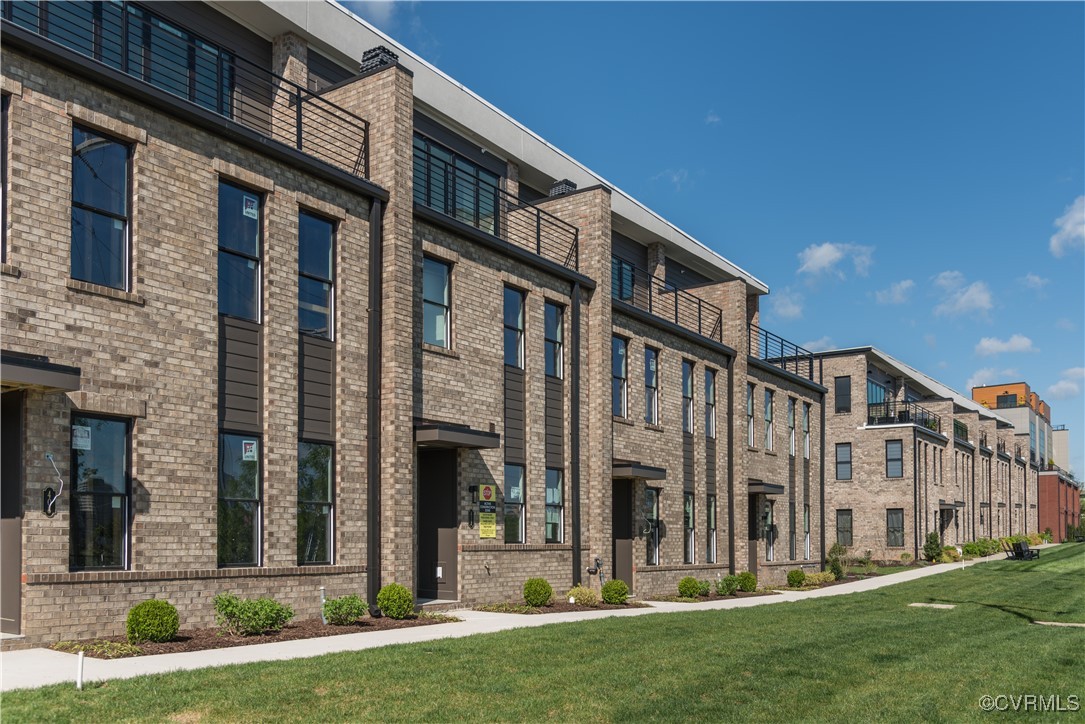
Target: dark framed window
[
  {"x": 651, "y": 386},
  {"x": 514, "y": 328},
  {"x": 894, "y": 526},
  {"x": 101, "y": 171},
  {"x": 239, "y": 228},
  {"x": 455, "y": 186},
  {"x": 843, "y": 527},
  {"x": 554, "y": 506},
  {"x": 806, "y": 430},
  {"x": 5, "y": 103},
  {"x": 806, "y": 532},
  {"x": 687, "y": 397},
  {"x": 770, "y": 398},
  {"x": 791, "y": 530},
  {"x": 514, "y": 503},
  {"x": 651, "y": 519},
  {"x": 316, "y": 503},
  {"x": 316, "y": 275},
  {"x": 710, "y": 403},
  {"x": 688, "y": 555},
  {"x": 842, "y": 393},
  {"x": 894, "y": 458},
  {"x": 622, "y": 277},
  {"x": 1003, "y": 402},
  {"x": 619, "y": 377},
  {"x": 101, "y": 489},
  {"x": 875, "y": 393},
  {"x": 239, "y": 496},
  {"x": 751, "y": 438},
  {"x": 436, "y": 302},
  {"x": 770, "y": 531},
  {"x": 791, "y": 426},
  {"x": 843, "y": 461},
  {"x": 710, "y": 510},
  {"x": 554, "y": 334}
]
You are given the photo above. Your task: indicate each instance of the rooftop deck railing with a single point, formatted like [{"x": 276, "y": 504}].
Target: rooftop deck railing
[
  {"x": 651, "y": 294},
  {"x": 780, "y": 352},
  {"x": 892, "y": 412},
  {"x": 960, "y": 431},
  {"x": 458, "y": 191},
  {"x": 132, "y": 39}
]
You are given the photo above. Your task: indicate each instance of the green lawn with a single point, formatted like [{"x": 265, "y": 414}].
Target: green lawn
[{"x": 859, "y": 657}]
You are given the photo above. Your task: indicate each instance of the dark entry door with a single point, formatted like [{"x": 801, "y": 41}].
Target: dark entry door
[
  {"x": 753, "y": 537},
  {"x": 437, "y": 524},
  {"x": 622, "y": 522},
  {"x": 11, "y": 510}
]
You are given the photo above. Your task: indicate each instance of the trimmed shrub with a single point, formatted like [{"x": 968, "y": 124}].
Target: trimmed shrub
[
  {"x": 154, "y": 620},
  {"x": 615, "y": 592},
  {"x": 689, "y": 587},
  {"x": 583, "y": 596},
  {"x": 727, "y": 586},
  {"x": 395, "y": 601},
  {"x": 820, "y": 578},
  {"x": 950, "y": 554},
  {"x": 704, "y": 588},
  {"x": 971, "y": 550},
  {"x": 537, "y": 592},
  {"x": 932, "y": 549},
  {"x": 905, "y": 558},
  {"x": 835, "y": 561},
  {"x": 345, "y": 610},
  {"x": 1034, "y": 539},
  {"x": 747, "y": 582},
  {"x": 796, "y": 578},
  {"x": 250, "y": 617}
]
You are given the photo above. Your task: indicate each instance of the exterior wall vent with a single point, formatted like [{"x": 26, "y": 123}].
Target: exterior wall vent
[
  {"x": 378, "y": 57},
  {"x": 564, "y": 186}
]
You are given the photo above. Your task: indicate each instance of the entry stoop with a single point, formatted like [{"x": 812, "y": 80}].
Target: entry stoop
[{"x": 438, "y": 605}]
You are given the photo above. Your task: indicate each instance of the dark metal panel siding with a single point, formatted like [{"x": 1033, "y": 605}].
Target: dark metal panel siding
[
  {"x": 555, "y": 423},
  {"x": 682, "y": 276},
  {"x": 687, "y": 462},
  {"x": 317, "y": 393},
  {"x": 629, "y": 250},
  {"x": 324, "y": 72},
  {"x": 514, "y": 416},
  {"x": 710, "y": 465},
  {"x": 240, "y": 373}
]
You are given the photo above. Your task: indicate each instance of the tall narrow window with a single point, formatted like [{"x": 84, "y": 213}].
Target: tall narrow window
[
  {"x": 843, "y": 527},
  {"x": 101, "y": 168},
  {"x": 315, "y": 503},
  {"x": 770, "y": 532},
  {"x": 554, "y": 506},
  {"x": 619, "y": 377},
  {"x": 621, "y": 279},
  {"x": 514, "y": 328},
  {"x": 239, "y": 252},
  {"x": 455, "y": 186},
  {"x": 806, "y": 532},
  {"x": 806, "y": 430},
  {"x": 554, "y": 334},
  {"x": 436, "y": 302},
  {"x": 710, "y": 553},
  {"x": 239, "y": 500},
  {"x": 651, "y": 386},
  {"x": 842, "y": 393},
  {"x": 750, "y": 439},
  {"x": 843, "y": 461},
  {"x": 316, "y": 275},
  {"x": 875, "y": 393},
  {"x": 894, "y": 526},
  {"x": 687, "y": 524},
  {"x": 687, "y": 397},
  {"x": 5, "y": 102},
  {"x": 100, "y": 480},
  {"x": 791, "y": 530},
  {"x": 514, "y": 503},
  {"x": 769, "y": 399},
  {"x": 651, "y": 517},
  {"x": 791, "y": 426},
  {"x": 894, "y": 458},
  {"x": 710, "y": 403}
]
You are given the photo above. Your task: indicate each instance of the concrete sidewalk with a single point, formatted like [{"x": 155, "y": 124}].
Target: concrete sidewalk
[{"x": 32, "y": 668}]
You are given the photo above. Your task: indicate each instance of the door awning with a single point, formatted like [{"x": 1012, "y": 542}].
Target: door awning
[
  {"x": 634, "y": 469},
  {"x": 760, "y": 486},
  {"x": 446, "y": 435},
  {"x": 29, "y": 371},
  {"x": 950, "y": 504}
]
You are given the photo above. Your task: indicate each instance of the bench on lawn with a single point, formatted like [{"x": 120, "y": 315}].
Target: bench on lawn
[{"x": 1023, "y": 552}]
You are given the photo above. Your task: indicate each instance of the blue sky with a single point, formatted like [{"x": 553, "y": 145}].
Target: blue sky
[{"x": 904, "y": 175}]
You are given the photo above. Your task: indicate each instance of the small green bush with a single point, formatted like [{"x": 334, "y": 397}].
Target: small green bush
[
  {"x": 727, "y": 586},
  {"x": 835, "y": 561},
  {"x": 932, "y": 549},
  {"x": 615, "y": 592},
  {"x": 905, "y": 558},
  {"x": 537, "y": 592},
  {"x": 583, "y": 596},
  {"x": 154, "y": 620},
  {"x": 950, "y": 554},
  {"x": 395, "y": 601},
  {"x": 972, "y": 550},
  {"x": 345, "y": 610},
  {"x": 689, "y": 587},
  {"x": 747, "y": 582},
  {"x": 704, "y": 588},
  {"x": 796, "y": 578},
  {"x": 820, "y": 578},
  {"x": 241, "y": 617}
]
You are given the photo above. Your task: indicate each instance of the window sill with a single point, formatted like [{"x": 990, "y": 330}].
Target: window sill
[
  {"x": 9, "y": 270},
  {"x": 773, "y": 453},
  {"x": 653, "y": 427},
  {"x": 751, "y": 448},
  {"x": 622, "y": 420},
  {"x": 443, "y": 351},
  {"x": 98, "y": 290}
]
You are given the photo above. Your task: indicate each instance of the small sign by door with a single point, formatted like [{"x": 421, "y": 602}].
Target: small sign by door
[{"x": 487, "y": 525}]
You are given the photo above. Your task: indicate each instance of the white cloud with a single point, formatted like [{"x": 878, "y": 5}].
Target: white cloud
[
  {"x": 1071, "y": 229},
  {"x": 897, "y": 293},
  {"x": 1074, "y": 373},
  {"x": 786, "y": 304},
  {"x": 379, "y": 12},
  {"x": 1034, "y": 281},
  {"x": 819, "y": 345},
  {"x": 1063, "y": 390},
  {"x": 993, "y": 345},
  {"x": 959, "y": 298},
  {"x": 677, "y": 177},
  {"x": 1065, "y": 324},
  {"x": 711, "y": 118},
  {"x": 823, "y": 258},
  {"x": 988, "y": 376}
]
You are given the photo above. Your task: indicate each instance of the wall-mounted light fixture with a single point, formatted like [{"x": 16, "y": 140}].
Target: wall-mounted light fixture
[{"x": 473, "y": 490}]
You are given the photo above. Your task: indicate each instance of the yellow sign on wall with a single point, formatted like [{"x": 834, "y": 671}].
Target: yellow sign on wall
[{"x": 487, "y": 525}]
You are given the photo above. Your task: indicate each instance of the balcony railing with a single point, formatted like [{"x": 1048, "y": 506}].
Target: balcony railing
[
  {"x": 458, "y": 191},
  {"x": 960, "y": 431},
  {"x": 778, "y": 351},
  {"x": 644, "y": 291},
  {"x": 1000, "y": 446},
  {"x": 983, "y": 440},
  {"x": 902, "y": 413},
  {"x": 134, "y": 40}
]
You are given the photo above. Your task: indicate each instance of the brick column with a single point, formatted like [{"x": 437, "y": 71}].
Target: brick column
[
  {"x": 290, "y": 60},
  {"x": 657, "y": 261}
]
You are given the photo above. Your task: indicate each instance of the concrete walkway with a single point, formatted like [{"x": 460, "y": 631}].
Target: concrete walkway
[{"x": 32, "y": 668}]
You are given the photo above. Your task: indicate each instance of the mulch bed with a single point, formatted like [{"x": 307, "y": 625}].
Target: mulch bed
[
  {"x": 557, "y": 606},
  {"x": 202, "y": 639},
  {"x": 713, "y": 597}
]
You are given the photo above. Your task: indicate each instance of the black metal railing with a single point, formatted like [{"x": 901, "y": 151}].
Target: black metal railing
[
  {"x": 638, "y": 288},
  {"x": 983, "y": 440},
  {"x": 776, "y": 350},
  {"x": 892, "y": 412},
  {"x": 1000, "y": 446},
  {"x": 460, "y": 192},
  {"x": 960, "y": 431},
  {"x": 132, "y": 39}
]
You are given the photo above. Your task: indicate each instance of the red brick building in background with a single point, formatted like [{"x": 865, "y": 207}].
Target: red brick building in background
[{"x": 1060, "y": 503}]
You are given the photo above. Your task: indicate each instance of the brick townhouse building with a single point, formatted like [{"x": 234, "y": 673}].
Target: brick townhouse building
[
  {"x": 286, "y": 308},
  {"x": 907, "y": 455}
]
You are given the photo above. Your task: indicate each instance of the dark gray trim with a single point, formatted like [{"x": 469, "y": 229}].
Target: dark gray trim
[
  {"x": 574, "y": 424},
  {"x": 673, "y": 328},
  {"x": 821, "y": 471},
  {"x": 915, "y": 494},
  {"x": 622, "y": 469},
  {"x": 949, "y": 504},
  {"x": 373, "y": 403},
  {"x": 1004, "y": 456},
  {"x": 441, "y": 435},
  {"x": 985, "y": 505},
  {"x": 936, "y": 436},
  {"x": 760, "y": 486},
  {"x": 19, "y": 370},
  {"x": 964, "y": 444},
  {"x": 784, "y": 374},
  {"x": 731, "y": 465},
  {"x": 460, "y": 145}
]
